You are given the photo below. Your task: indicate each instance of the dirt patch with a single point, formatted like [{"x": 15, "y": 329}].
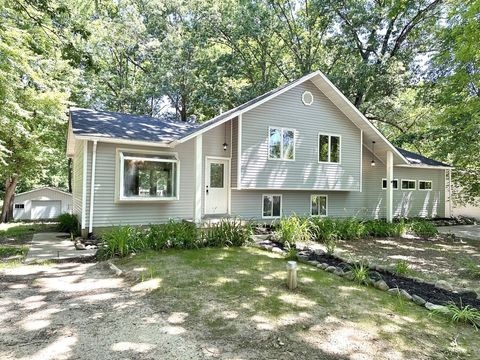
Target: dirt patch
[{"x": 82, "y": 311}]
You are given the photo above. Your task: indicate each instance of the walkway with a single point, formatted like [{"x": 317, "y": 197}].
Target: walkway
[
  {"x": 54, "y": 246},
  {"x": 462, "y": 231}
]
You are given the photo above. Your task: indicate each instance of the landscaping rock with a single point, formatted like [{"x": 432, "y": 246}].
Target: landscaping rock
[
  {"x": 375, "y": 276},
  {"x": 400, "y": 292},
  {"x": 322, "y": 266},
  {"x": 349, "y": 275},
  {"x": 319, "y": 252},
  {"x": 331, "y": 269},
  {"x": 78, "y": 239},
  {"x": 314, "y": 262},
  {"x": 442, "y": 284},
  {"x": 277, "y": 250},
  {"x": 418, "y": 300},
  {"x": 267, "y": 247},
  {"x": 381, "y": 285},
  {"x": 468, "y": 294},
  {"x": 339, "y": 272},
  {"x": 345, "y": 267},
  {"x": 80, "y": 246},
  {"x": 436, "y": 307},
  {"x": 405, "y": 295},
  {"x": 303, "y": 255}
]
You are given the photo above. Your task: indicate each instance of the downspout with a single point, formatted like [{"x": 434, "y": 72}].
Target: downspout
[{"x": 92, "y": 189}]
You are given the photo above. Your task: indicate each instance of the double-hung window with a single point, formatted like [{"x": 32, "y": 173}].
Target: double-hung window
[
  {"x": 281, "y": 144},
  {"x": 329, "y": 150},
  {"x": 408, "y": 184},
  {"x": 424, "y": 185},
  {"x": 148, "y": 176},
  {"x": 319, "y": 205},
  {"x": 272, "y": 206}
]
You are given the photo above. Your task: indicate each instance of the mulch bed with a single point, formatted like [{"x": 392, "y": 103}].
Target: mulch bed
[{"x": 427, "y": 291}]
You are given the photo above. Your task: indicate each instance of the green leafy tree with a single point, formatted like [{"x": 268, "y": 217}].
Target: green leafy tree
[{"x": 34, "y": 82}]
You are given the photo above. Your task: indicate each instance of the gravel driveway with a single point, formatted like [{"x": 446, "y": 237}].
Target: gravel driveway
[{"x": 82, "y": 311}]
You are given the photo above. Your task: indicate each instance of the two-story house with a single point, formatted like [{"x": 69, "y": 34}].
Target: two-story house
[{"x": 302, "y": 148}]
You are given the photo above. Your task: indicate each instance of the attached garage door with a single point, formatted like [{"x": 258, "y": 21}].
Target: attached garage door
[{"x": 46, "y": 209}]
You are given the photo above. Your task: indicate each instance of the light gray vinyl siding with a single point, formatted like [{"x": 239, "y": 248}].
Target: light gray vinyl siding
[
  {"x": 406, "y": 203},
  {"x": 213, "y": 146},
  {"x": 77, "y": 179},
  {"x": 108, "y": 212},
  {"x": 234, "y": 172},
  {"x": 288, "y": 111},
  {"x": 370, "y": 203}
]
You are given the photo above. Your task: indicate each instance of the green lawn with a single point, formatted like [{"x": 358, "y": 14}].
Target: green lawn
[
  {"x": 236, "y": 299},
  {"x": 15, "y": 238}
]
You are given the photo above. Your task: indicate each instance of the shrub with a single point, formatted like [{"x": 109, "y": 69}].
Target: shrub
[
  {"x": 120, "y": 241},
  {"x": 381, "y": 228},
  {"x": 174, "y": 234},
  {"x": 291, "y": 254},
  {"x": 423, "y": 228},
  {"x": 360, "y": 273},
  {"x": 322, "y": 229},
  {"x": 402, "y": 268},
  {"x": 68, "y": 223},
  {"x": 466, "y": 314},
  {"x": 350, "y": 229},
  {"x": 227, "y": 232},
  {"x": 293, "y": 229},
  {"x": 331, "y": 245},
  {"x": 472, "y": 268}
]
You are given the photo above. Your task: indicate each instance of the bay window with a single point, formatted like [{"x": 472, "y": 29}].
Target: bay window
[{"x": 148, "y": 177}]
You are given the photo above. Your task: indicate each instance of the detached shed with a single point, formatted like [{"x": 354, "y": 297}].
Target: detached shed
[{"x": 41, "y": 203}]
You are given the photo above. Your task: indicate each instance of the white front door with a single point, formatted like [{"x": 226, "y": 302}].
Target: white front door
[{"x": 217, "y": 179}]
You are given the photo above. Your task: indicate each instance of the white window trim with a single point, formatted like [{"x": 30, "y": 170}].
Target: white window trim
[
  {"x": 329, "y": 141},
  {"x": 281, "y": 206},
  {"x": 282, "y": 129},
  {"x": 120, "y": 174},
  {"x": 303, "y": 98},
  {"x": 326, "y": 205},
  {"x": 401, "y": 184},
  {"x": 385, "y": 179},
  {"x": 426, "y": 181}
]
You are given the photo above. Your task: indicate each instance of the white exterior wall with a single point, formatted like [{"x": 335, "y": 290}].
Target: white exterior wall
[{"x": 42, "y": 194}]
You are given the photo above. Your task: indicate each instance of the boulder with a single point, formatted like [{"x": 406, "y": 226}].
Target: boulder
[
  {"x": 381, "y": 285},
  {"x": 435, "y": 307},
  {"x": 400, "y": 292},
  {"x": 339, "y": 272},
  {"x": 319, "y": 252},
  {"x": 442, "y": 284},
  {"x": 313, "y": 262},
  {"x": 418, "y": 300},
  {"x": 277, "y": 250},
  {"x": 375, "y": 276},
  {"x": 331, "y": 269},
  {"x": 322, "y": 266},
  {"x": 80, "y": 246},
  {"x": 468, "y": 294}
]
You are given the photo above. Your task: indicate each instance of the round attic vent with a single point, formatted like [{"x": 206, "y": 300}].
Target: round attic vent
[{"x": 307, "y": 98}]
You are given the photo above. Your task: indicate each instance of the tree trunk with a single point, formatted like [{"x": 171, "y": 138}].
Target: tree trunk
[{"x": 7, "y": 210}]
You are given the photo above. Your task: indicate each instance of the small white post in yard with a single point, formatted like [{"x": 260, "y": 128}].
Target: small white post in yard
[{"x": 292, "y": 275}]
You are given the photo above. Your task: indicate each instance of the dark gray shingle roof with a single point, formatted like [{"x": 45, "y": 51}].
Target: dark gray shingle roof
[
  {"x": 105, "y": 124},
  {"x": 417, "y": 159}
]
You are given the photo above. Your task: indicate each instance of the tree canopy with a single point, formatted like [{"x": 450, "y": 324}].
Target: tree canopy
[{"x": 412, "y": 67}]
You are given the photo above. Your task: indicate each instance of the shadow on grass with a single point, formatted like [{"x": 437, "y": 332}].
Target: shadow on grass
[{"x": 237, "y": 299}]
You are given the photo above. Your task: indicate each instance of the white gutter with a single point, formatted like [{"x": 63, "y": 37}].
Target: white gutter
[
  {"x": 92, "y": 187},
  {"x": 124, "y": 141},
  {"x": 433, "y": 167}
]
